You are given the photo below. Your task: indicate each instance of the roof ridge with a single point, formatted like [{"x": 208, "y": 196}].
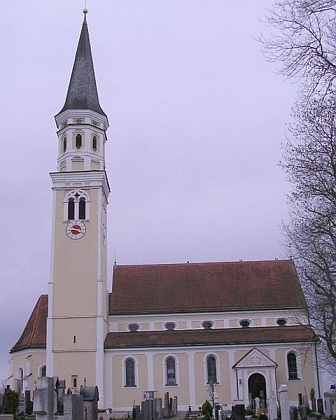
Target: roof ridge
[{"x": 203, "y": 263}]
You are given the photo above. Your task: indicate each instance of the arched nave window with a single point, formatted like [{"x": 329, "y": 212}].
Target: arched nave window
[
  {"x": 129, "y": 372},
  {"x": 171, "y": 375},
  {"x": 76, "y": 205},
  {"x": 211, "y": 369},
  {"x": 292, "y": 366}
]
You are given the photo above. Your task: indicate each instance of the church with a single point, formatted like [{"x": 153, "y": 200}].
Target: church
[{"x": 222, "y": 331}]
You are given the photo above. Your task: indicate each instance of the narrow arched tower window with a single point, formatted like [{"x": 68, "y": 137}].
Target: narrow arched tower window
[
  {"x": 94, "y": 143},
  {"x": 78, "y": 141},
  {"x": 81, "y": 213},
  {"x": 64, "y": 144},
  {"x": 71, "y": 208}
]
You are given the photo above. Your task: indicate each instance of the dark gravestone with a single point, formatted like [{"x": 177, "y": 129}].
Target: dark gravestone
[
  {"x": 159, "y": 412},
  {"x": 90, "y": 396},
  {"x": 300, "y": 399},
  {"x": 150, "y": 410},
  {"x": 166, "y": 411},
  {"x": 239, "y": 412},
  {"x": 293, "y": 412},
  {"x": 144, "y": 410},
  {"x": 320, "y": 405},
  {"x": 173, "y": 411},
  {"x": 136, "y": 413},
  {"x": 73, "y": 408},
  {"x": 302, "y": 409}
]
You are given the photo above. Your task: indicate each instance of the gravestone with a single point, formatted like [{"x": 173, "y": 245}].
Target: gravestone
[
  {"x": 90, "y": 396},
  {"x": 272, "y": 406},
  {"x": 302, "y": 409},
  {"x": 60, "y": 390},
  {"x": 174, "y": 406},
  {"x": 239, "y": 412},
  {"x": 145, "y": 410},
  {"x": 166, "y": 409},
  {"x": 284, "y": 406},
  {"x": 45, "y": 399},
  {"x": 300, "y": 399},
  {"x": 157, "y": 406},
  {"x": 320, "y": 405},
  {"x": 28, "y": 402},
  {"x": 329, "y": 403},
  {"x": 136, "y": 413},
  {"x": 73, "y": 407},
  {"x": 293, "y": 412}
]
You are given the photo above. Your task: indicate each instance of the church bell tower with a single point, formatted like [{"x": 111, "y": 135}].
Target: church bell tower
[{"x": 77, "y": 308}]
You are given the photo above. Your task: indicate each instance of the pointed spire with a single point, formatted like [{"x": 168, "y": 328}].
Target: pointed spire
[{"x": 82, "y": 90}]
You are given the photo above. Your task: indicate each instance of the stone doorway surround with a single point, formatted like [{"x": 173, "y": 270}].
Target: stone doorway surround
[{"x": 248, "y": 369}]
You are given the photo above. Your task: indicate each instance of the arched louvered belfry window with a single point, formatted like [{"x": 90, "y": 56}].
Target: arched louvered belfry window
[
  {"x": 82, "y": 208},
  {"x": 129, "y": 372},
  {"x": 77, "y": 205},
  {"x": 71, "y": 208}
]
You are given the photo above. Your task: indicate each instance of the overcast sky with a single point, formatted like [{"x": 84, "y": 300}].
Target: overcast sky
[{"x": 197, "y": 117}]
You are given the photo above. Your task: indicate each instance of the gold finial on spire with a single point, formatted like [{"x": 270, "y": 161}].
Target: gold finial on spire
[{"x": 85, "y": 10}]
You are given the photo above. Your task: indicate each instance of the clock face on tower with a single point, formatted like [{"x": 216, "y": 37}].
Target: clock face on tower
[{"x": 76, "y": 229}]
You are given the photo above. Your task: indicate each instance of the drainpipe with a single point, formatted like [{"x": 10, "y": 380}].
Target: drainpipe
[
  {"x": 317, "y": 372},
  {"x": 237, "y": 383}
]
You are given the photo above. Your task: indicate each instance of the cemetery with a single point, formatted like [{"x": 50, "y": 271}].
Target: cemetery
[{"x": 51, "y": 400}]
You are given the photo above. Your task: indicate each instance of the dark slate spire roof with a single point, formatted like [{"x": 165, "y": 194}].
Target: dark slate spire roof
[{"x": 82, "y": 90}]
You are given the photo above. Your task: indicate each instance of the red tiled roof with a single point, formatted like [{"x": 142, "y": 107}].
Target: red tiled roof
[
  {"x": 215, "y": 337},
  {"x": 34, "y": 334},
  {"x": 205, "y": 287}
]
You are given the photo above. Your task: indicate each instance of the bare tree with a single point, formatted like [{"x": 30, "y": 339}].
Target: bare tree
[
  {"x": 304, "y": 42},
  {"x": 310, "y": 163}
]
